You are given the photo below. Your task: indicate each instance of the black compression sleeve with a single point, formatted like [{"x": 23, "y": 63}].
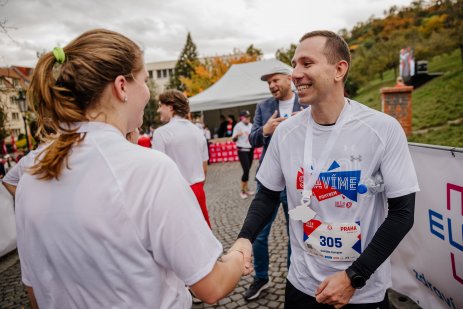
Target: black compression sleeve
[
  {"x": 397, "y": 224},
  {"x": 262, "y": 207}
]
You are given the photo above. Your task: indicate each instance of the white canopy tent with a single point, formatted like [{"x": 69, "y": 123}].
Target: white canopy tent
[{"x": 240, "y": 86}]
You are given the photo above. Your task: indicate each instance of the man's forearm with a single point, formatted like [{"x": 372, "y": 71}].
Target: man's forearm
[
  {"x": 256, "y": 138},
  {"x": 261, "y": 210},
  {"x": 397, "y": 224}
]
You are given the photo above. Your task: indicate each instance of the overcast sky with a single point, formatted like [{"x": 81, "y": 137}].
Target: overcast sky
[{"x": 161, "y": 26}]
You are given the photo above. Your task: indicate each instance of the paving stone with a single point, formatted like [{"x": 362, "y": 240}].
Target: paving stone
[{"x": 273, "y": 304}]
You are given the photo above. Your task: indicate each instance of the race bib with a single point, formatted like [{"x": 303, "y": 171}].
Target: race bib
[{"x": 333, "y": 241}]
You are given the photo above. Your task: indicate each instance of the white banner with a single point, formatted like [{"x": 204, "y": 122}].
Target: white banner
[
  {"x": 428, "y": 264},
  {"x": 7, "y": 222}
]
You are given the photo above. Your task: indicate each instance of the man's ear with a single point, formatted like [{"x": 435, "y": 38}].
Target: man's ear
[
  {"x": 341, "y": 70},
  {"x": 120, "y": 84}
]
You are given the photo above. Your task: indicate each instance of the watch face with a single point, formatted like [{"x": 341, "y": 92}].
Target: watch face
[{"x": 358, "y": 282}]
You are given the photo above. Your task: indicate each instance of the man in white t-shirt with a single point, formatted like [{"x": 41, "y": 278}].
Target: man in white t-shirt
[
  {"x": 350, "y": 182},
  {"x": 183, "y": 142}
]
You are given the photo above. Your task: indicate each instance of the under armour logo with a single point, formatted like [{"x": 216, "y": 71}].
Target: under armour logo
[{"x": 356, "y": 158}]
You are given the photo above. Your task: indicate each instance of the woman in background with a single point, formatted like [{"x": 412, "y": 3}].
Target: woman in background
[{"x": 245, "y": 151}]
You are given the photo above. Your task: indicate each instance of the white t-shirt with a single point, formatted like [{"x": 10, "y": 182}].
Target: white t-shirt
[
  {"x": 207, "y": 134},
  {"x": 243, "y": 140},
  {"x": 370, "y": 142},
  {"x": 120, "y": 229},
  {"x": 286, "y": 107},
  {"x": 184, "y": 143}
]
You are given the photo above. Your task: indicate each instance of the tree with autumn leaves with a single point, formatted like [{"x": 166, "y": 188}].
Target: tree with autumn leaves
[
  {"x": 193, "y": 76},
  {"x": 430, "y": 27}
]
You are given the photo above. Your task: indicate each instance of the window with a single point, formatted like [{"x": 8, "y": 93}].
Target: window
[
  {"x": 15, "y": 116},
  {"x": 158, "y": 72},
  {"x": 150, "y": 73},
  {"x": 17, "y": 132},
  {"x": 164, "y": 73},
  {"x": 171, "y": 72}
]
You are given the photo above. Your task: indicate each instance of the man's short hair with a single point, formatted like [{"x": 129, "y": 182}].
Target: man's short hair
[
  {"x": 336, "y": 48},
  {"x": 177, "y": 100}
]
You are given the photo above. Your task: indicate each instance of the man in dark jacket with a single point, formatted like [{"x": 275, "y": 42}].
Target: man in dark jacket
[{"x": 269, "y": 114}]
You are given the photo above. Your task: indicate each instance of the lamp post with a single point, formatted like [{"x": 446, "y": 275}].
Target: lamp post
[{"x": 21, "y": 99}]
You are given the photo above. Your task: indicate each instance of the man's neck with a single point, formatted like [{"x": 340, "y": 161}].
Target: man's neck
[
  {"x": 327, "y": 112},
  {"x": 289, "y": 96},
  {"x": 176, "y": 117}
]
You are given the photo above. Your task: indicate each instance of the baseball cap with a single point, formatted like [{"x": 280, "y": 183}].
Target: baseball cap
[
  {"x": 245, "y": 113},
  {"x": 280, "y": 69}
]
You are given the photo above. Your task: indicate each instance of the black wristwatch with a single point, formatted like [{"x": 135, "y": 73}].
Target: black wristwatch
[{"x": 357, "y": 281}]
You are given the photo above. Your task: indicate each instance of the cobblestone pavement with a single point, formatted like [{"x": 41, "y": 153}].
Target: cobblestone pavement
[{"x": 227, "y": 212}]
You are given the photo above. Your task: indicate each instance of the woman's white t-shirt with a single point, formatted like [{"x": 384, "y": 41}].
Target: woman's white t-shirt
[
  {"x": 243, "y": 140},
  {"x": 121, "y": 228}
]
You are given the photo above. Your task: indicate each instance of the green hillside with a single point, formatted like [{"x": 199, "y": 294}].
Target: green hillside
[{"x": 434, "y": 104}]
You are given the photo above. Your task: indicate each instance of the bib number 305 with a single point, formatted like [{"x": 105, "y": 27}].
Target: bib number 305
[{"x": 330, "y": 242}]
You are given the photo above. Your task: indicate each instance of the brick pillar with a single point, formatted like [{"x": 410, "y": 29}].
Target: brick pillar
[{"x": 397, "y": 102}]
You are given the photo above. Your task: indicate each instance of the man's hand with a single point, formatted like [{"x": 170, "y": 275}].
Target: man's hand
[
  {"x": 272, "y": 124},
  {"x": 244, "y": 246},
  {"x": 335, "y": 290}
]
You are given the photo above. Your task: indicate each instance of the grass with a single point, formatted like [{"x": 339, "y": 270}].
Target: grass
[
  {"x": 439, "y": 101},
  {"x": 434, "y": 104},
  {"x": 447, "y": 135},
  {"x": 370, "y": 94}
]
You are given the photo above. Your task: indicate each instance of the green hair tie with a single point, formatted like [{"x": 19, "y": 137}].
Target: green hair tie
[{"x": 59, "y": 54}]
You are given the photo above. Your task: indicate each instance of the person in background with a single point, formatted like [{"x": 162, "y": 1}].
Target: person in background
[
  {"x": 270, "y": 113},
  {"x": 184, "y": 142},
  {"x": 9, "y": 162},
  {"x": 222, "y": 130},
  {"x": 2, "y": 169},
  {"x": 89, "y": 233},
  {"x": 207, "y": 133},
  {"x": 341, "y": 235},
  {"x": 245, "y": 151},
  {"x": 231, "y": 122},
  {"x": 199, "y": 123}
]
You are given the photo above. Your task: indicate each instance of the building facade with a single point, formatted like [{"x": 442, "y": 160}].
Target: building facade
[
  {"x": 13, "y": 82},
  {"x": 160, "y": 72}
]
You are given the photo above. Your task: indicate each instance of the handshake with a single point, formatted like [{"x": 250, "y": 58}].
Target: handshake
[
  {"x": 243, "y": 248},
  {"x": 226, "y": 273}
]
